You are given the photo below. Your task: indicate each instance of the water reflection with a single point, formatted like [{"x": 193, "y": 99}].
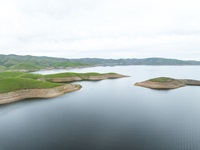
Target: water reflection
[{"x": 109, "y": 114}]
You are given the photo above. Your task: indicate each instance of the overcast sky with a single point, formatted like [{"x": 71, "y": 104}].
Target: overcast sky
[{"x": 101, "y": 28}]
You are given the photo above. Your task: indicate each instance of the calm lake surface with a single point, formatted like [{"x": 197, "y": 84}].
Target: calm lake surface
[{"x": 110, "y": 114}]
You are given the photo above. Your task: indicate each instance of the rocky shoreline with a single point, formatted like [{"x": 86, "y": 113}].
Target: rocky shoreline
[
  {"x": 170, "y": 84},
  {"x": 37, "y": 93}
]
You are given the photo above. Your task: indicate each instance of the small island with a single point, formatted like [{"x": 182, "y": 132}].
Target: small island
[
  {"x": 15, "y": 86},
  {"x": 165, "y": 83}
]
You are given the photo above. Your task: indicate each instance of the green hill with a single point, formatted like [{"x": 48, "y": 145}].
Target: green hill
[
  {"x": 13, "y": 84},
  {"x": 34, "y": 63},
  {"x": 11, "y": 81},
  {"x": 25, "y": 66},
  {"x": 134, "y": 61}
]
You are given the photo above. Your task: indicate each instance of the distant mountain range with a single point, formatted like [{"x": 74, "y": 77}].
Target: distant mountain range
[
  {"x": 33, "y": 63},
  {"x": 134, "y": 61}
]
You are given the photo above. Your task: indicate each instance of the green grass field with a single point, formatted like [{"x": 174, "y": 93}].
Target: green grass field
[
  {"x": 11, "y": 81},
  {"x": 162, "y": 79},
  {"x": 10, "y": 74},
  {"x": 31, "y": 76},
  {"x": 25, "y": 66},
  {"x": 13, "y": 84},
  {"x": 72, "y": 74}
]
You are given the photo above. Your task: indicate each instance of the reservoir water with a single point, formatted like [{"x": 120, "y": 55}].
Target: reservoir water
[{"x": 110, "y": 114}]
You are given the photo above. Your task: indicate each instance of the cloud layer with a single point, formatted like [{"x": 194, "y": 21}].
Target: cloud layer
[{"x": 106, "y": 28}]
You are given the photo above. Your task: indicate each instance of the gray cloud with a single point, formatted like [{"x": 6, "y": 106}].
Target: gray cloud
[{"x": 106, "y": 28}]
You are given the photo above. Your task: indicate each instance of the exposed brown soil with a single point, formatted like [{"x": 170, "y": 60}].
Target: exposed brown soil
[{"x": 37, "y": 93}]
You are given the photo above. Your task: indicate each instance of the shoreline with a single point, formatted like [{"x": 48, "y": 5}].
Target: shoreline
[
  {"x": 28, "y": 86},
  {"x": 18, "y": 95}
]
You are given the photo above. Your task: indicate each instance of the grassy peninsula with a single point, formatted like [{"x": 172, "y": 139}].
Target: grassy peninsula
[
  {"x": 71, "y": 76},
  {"x": 11, "y": 81},
  {"x": 16, "y": 86}
]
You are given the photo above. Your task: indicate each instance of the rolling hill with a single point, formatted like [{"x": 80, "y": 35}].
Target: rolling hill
[{"x": 34, "y": 63}]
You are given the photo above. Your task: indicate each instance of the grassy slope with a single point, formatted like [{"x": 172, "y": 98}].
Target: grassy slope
[
  {"x": 31, "y": 63},
  {"x": 39, "y": 76},
  {"x": 31, "y": 76},
  {"x": 10, "y": 74},
  {"x": 25, "y": 66},
  {"x": 71, "y": 74},
  {"x": 11, "y": 81},
  {"x": 69, "y": 64},
  {"x": 162, "y": 79},
  {"x": 12, "y": 84}
]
